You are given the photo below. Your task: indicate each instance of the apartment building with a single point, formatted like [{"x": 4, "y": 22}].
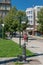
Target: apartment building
[
  {"x": 32, "y": 17},
  {"x": 5, "y": 6}
]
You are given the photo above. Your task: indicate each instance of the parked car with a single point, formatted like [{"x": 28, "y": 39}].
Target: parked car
[
  {"x": 13, "y": 34},
  {"x": 19, "y": 36}
]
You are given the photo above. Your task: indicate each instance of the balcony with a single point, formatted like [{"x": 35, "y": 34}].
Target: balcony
[
  {"x": 4, "y": 10},
  {"x": 5, "y": 3}
]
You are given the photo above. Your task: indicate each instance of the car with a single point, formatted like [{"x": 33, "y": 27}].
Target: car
[
  {"x": 19, "y": 36},
  {"x": 13, "y": 34}
]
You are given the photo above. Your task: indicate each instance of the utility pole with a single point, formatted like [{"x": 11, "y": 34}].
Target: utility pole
[{"x": 33, "y": 32}]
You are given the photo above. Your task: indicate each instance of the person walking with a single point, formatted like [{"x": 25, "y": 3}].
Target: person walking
[{"x": 25, "y": 37}]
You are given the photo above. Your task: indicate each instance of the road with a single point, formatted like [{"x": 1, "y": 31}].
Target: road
[{"x": 35, "y": 46}]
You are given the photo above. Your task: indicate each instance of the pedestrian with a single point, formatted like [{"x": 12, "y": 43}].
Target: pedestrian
[{"x": 25, "y": 37}]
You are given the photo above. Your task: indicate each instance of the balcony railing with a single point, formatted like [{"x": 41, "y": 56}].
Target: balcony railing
[
  {"x": 4, "y": 10},
  {"x": 5, "y": 2}
]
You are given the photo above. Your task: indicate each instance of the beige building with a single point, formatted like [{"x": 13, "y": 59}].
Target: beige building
[{"x": 5, "y": 6}]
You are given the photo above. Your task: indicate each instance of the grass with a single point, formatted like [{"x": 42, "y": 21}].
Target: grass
[
  {"x": 8, "y": 48},
  {"x": 18, "y": 63}
]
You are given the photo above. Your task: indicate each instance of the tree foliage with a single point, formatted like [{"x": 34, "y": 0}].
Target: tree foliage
[
  {"x": 40, "y": 20},
  {"x": 22, "y": 17},
  {"x": 12, "y": 20}
]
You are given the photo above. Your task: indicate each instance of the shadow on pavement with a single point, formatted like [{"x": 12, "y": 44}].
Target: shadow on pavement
[
  {"x": 16, "y": 59},
  {"x": 36, "y": 54},
  {"x": 32, "y": 39},
  {"x": 7, "y": 61}
]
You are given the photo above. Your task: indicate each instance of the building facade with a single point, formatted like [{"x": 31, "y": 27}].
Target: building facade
[
  {"x": 31, "y": 13},
  {"x": 5, "y": 6}
]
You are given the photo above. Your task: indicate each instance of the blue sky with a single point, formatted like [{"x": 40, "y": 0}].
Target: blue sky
[{"x": 23, "y": 4}]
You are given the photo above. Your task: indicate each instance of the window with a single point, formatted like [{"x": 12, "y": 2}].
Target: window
[
  {"x": 7, "y": 0},
  {"x": 38, "y": 7},
  {"x": 30, "y": 12},
  {"x": 7, "y": 7},
  {"x": 27, "y": 12},
  {"x": 31, "y": 21},
  {"x": 29, "y": 16}
]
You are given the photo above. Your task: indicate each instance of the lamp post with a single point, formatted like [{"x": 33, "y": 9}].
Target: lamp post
[
  {"x": 20, "y": 31},
  {"x": 19, "y": 26},
  {"x": 3, "y": 31},
  {"x": 24, "y": 44},
  {"x": 21, "y": 21}
]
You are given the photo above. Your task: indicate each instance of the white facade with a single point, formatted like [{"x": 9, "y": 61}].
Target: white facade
[
  {"x": 29, "y": 13},
  {"x": 32, "y": 14},
  {"x": 37, "y": 9}
]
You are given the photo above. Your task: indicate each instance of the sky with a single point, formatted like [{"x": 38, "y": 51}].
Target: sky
[{"x": 23, "y": 4}]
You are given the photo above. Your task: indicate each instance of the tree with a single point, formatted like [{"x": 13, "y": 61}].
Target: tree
[
  {"x": 22, "y": 17},
  {"x": 40, "y": 20},
  {"x": 12, "y": 20},
  {"x": 9, "y": 20}
]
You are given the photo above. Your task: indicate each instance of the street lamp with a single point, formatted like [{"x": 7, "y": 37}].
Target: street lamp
[
  {"x": 22, "y": 21},
  {"x": 3, "y": 31},
  {"x": 19, "y": 26},
  {"x": 19, "y": 30}
]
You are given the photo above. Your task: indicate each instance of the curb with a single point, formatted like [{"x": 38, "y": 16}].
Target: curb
[{"x": 7, "y": 60}]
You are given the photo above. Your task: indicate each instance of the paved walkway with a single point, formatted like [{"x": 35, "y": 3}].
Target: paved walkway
[
  {"x": 7, "y": 61},
  {"x": 35, "y": 46}
]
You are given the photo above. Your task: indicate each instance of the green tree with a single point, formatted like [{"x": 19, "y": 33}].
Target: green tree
[
  {"x": 40, "y": 20},
  {"x": 12, "y": 20},
  {"x": 22, "y": 17}
]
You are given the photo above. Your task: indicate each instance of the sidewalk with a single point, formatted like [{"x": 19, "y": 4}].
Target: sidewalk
[
  {"x": 7, "y": 61},
  {"x": 35, "y": 46},
  {"x": 37, "y": 37}
]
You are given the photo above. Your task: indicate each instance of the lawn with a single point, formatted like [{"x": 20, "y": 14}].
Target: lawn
[{"x": 8, "y": 48}]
